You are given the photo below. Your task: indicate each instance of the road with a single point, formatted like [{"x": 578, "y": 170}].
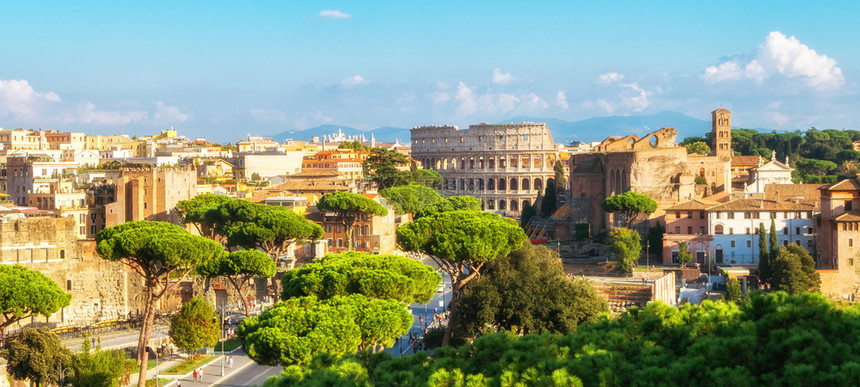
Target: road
[{"x": 244, "y": 373}]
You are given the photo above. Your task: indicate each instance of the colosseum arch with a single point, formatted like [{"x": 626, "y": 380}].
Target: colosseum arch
[
  {"x": 538, "y": 184},
  {"x": 525, "y": 203},
  {"x": 502, "y": 204},
  {"x": 491, "y": 204},
  {"x": 438, "y": 164},
  {"x": 514, "y": 205},
  {"x": 525, "y": 184},
  {"x": 491, "y": 184},
  {"x": 625, "y": 184},
  {"x": 513, "y": 185},
  {"x": 502, "y": 184}
]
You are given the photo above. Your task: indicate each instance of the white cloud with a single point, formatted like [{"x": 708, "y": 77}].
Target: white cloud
[
  {"x": 605, "y": 105},
  {"x": 607, "y": 78},
  {"x": 561, "y": 100},
  {"x": 334, "y": 14},
  {"x": 87, "y": 113},
  {"x": 18, "y": 98},
  {"x": 783, "y": 56},
  {"x": 353, "y": 81},
  {"x": 472, "y": 102},
  {"x": 636, "y": 98},
  {"x": 500, "y": 78},
  {"x": 169, "y": 114}
]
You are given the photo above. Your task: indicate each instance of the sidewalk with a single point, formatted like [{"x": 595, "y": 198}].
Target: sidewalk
[{"x": 211, "y": 370}]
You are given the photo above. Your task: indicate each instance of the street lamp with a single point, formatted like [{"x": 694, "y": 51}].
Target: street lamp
[
  {"x": 221, "y": 334},
  {"x": 61, "y": 374}
]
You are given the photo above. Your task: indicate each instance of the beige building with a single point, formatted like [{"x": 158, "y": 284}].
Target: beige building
[
  {"x": 503, "y": 165},
  {"x": 33, "y": 174},
  {"x": 370, "y": 233},
  {"x": 347, "y": 163},
  {"x": 266, "y": 164},
  {"x": 151, "y": 194},
  {"x": 101, "y": 290}
]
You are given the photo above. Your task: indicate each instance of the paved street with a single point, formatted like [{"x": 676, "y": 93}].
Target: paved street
[{"x": 244, "y": 373}]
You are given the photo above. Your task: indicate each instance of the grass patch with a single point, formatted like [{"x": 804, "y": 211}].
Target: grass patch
[
  {"x": 161, "y": 382},
  {"x": 229, "y": 345},
  {"x": 134, "y": 368},
  {"x": 188, "y": 365}
]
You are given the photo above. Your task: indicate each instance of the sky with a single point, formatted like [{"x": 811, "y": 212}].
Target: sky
[{"x": 225, "y": 70}]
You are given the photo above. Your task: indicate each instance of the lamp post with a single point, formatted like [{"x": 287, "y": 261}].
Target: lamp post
[
  {"x": 221, "y": 334},
  {"x": 61, "y": 374}
]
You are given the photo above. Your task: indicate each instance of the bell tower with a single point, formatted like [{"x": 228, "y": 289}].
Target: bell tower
[{"x": 721, "y": 134}]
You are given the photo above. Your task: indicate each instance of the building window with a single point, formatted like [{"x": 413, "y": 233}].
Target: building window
[
  {"x": 702, "y": 230},
  {"x": 718, "y": 229},
  {"x": 689, "y": 229},
  {"x": 848, "y": 205},
  {"x": 731, "y": 231},
  {"x": 731, "y": 215},
  {"x": 732, "y": 243},
  {"x": 677, "y": 214},
  {"x": 701, "y": 214},
  {"x": 797, "y": 230},
  {"x": 339, "y": 242},
  {"x": 850, "y": 242},
  {"x": 717, "y": 215},
  {"x": 785, "y": 231},
  {"x": 748, "y": 231},
  {"x": 328, "y": 228},
  {"x": 677, "y": 229},
  {"x": 749, "y": 243},
  {"x": 689, "y": 214},
  {"x": 329, "y": 242},
  {"x": 747, "y": 215},
  {"x": 68, "y": 284}
]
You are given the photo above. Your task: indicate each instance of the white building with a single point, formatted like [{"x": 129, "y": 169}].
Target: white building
[
  {"x": 771, "y": 172},
  {"x": 734, "y": 227}
]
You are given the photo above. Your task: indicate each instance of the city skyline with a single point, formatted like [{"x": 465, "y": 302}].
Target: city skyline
[{"x": 221, "y": 70}]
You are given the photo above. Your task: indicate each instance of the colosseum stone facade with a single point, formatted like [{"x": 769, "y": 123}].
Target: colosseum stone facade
[{"x": 503, "y": 165}]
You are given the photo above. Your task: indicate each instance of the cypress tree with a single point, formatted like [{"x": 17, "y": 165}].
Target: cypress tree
[
  {"x": 763, "y": 255},
  {"x": 774, "y": 243}
]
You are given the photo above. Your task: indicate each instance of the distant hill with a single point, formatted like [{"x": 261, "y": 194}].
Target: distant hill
[
  {"x": 598, "y": 128},
  {"x": 563, "y": 132}
]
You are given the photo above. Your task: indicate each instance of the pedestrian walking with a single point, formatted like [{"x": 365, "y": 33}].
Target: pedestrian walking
[
  {"x": 200, "y": 374},
  {"x": 230, "y": 362},
  {"x": 178, "y": 383},
  {"x": 194, "y": 375}
]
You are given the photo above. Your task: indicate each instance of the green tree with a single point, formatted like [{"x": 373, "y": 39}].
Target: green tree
[
  {"x": 655, "y": 239},
  {"x": 559, "y": 176},
  {"x": 203, "y": 212},
  {"x": 698, "y": 147},
  {"x": 733, "y": 289},
  {"x": 298, "y": 329},
  {"x": 526, "y": 214},
  {"x": 409, "y": 199},
  {"x": 773, "y": 242},
  {"x": 763, "y": 255},
  {"x": 239, "y": 267},
  {"x": 36, "y": 354},
  {"x": 381, "y": 168},
  {"x": 269, "y": 228},
  {"x": 427, "y": 178},
  {"x": 548, "y": 204},
  {"x": 461, "y": 242},
  {"x": 454, "y": 203},
  {"x": 629, "y": 205},
  {"x": 814, "y": 167},
  {"x": 684, "y": 254},
  {"x": 156, "y": 251},
  {"x": 347, "y": 207},
  {"x": 97, "y": 367},
  {"x": 389, "y": 277},
  {"x": 195, "y": 326},
  {"x": 527, "y": 292},
  {"x": 26, "y": 293},
  {"x": 794, "y": 270},
  {"x": 354, "y": 145},
  {"x": 624, "y": 242},
  {"x": 256, "y": 177}
]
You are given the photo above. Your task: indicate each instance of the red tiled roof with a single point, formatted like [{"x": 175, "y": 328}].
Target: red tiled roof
[
  {"x": 765, "y": 205},
  {"x": 844, "y": 185},
  {"x": 695, "y": 204},
  {"x": 851, "y": 216},
  {"x": 745, "y": 161},
  {"x": 786, "y": 191}
]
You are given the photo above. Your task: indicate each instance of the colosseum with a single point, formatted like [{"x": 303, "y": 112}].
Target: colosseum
[{"x": 503, "y": 165}]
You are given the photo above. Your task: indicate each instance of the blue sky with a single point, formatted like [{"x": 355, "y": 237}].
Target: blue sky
[{"x": 222, "y": 70}]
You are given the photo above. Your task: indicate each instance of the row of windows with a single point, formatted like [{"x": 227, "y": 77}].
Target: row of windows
[
  {"x": 473, "y": 184},
  {"x": 746, "y": 215},
  {"x": 362, "y": 231},
  {"x": 479, "y": 162},
  {"x": 720, "y": 230},
  {"x": 339, "y": 243}
]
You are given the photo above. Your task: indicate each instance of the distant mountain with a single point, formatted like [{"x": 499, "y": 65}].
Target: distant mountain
[
  {"x": 598, "y": 128},
  {"x": 563, "y": 132},
  {"x": 383, "y": 134}
]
